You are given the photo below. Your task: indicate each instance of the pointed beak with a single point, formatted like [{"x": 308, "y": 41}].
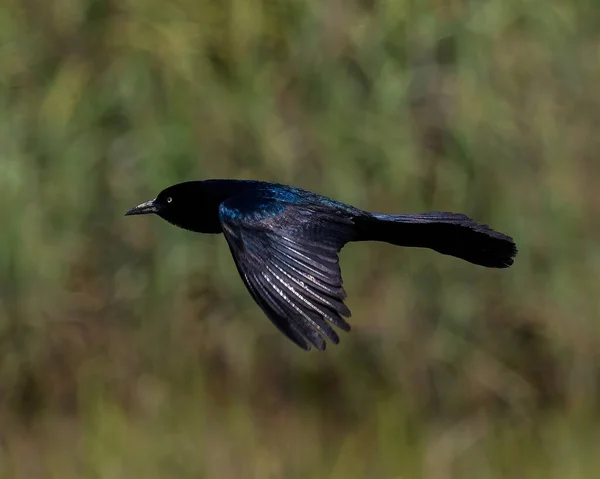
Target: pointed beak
[{"x": 143, "y": 209}]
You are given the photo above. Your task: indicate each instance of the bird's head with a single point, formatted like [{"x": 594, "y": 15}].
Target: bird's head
[{"x": 184, "y": 205}]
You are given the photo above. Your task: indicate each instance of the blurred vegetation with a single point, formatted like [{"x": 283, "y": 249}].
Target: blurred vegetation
[{"x": 129, "y": 348}]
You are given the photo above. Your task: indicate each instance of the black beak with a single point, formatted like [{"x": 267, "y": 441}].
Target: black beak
[{"x": 143, "y": 209}]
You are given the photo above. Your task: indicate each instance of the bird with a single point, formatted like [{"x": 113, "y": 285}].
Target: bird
[{"x": 285, "y": 243}]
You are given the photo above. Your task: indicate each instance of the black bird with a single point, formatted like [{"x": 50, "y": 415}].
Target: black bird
[{"x": 285, "y": 243}]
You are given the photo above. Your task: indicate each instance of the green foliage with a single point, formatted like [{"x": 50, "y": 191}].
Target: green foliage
[{"x": 131, "y": 348}]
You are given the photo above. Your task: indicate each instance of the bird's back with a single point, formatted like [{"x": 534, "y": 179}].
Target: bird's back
[{"x": 222, "y": 189}]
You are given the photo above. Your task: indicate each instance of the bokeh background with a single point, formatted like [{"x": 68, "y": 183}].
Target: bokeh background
[{"x": 129, "y": 348}]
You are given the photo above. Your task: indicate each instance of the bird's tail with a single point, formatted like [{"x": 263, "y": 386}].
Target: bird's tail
[{"x": 453, "y": 234}]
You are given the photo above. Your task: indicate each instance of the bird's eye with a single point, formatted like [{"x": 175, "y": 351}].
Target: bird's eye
[{"x": 169, "y": 199}]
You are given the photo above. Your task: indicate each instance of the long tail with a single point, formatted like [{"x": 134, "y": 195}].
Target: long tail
[{"x": 453, "y": 234}]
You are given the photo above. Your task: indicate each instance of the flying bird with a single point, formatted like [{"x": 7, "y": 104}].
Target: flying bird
[{"x": 285, "y": 243}]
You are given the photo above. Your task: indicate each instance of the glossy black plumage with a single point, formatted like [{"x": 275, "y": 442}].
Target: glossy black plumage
[{"x": 285, "y": 243}]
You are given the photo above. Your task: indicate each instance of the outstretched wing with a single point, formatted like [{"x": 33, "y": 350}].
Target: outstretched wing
[{"x": 286, "y": 251}]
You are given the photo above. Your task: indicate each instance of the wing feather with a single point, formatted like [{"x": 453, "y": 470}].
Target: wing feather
[{"x": 289, "y": 263}]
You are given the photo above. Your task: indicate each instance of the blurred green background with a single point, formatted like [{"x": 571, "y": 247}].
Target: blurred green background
[{"x": 130, "y": 348}]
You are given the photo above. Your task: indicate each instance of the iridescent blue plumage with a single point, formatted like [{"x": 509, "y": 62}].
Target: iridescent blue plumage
[
  {"x": 285, "y": 243},
  {"x": 286, "y": 250}
]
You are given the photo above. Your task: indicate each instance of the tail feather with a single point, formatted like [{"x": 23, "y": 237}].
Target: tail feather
[{"x": 453, "y": 234}]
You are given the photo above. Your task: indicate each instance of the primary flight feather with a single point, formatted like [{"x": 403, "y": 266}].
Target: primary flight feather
[{"x": 285, "y": 243}]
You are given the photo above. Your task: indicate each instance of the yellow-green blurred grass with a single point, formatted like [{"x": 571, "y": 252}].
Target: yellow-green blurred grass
[{"x": 131, "y": 349}]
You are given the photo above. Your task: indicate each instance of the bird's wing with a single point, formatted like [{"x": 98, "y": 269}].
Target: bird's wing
[{"x": 287, "y": 255}]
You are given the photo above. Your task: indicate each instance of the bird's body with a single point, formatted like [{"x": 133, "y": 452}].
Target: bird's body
[{"x": 285, "y": 243}]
